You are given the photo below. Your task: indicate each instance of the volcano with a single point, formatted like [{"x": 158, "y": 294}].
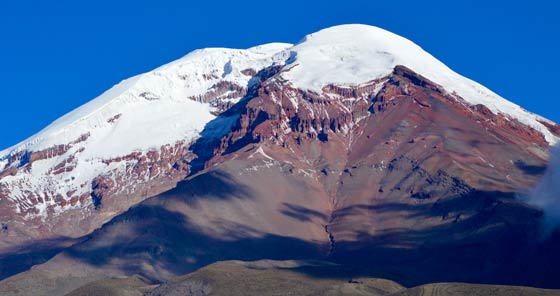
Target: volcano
[{"x": 354, "y": 146}]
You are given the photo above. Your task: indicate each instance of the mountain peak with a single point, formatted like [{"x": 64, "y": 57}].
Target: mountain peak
[
  {"x": 349, "y": 32},
  {"x": 354, "y": 54}
]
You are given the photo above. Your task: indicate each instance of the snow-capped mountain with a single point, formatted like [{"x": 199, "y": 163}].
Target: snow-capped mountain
[
  {"x": 297, "y": 107},
  {"x": 354, "y": 145}
]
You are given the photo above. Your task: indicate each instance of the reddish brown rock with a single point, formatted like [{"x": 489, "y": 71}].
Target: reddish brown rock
[{"x": 552, "y": 127}]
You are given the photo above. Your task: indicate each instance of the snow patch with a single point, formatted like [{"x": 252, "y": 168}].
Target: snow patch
[
  {"x": 158, "y": 121},
  {"x": 261, "y": 152}
]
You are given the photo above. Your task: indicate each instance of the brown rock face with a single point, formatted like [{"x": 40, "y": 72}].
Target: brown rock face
[
  {"x": 385, "y": 177},
  {"x": 552, "y": 127},
  {"x": 25, "y": 158}
]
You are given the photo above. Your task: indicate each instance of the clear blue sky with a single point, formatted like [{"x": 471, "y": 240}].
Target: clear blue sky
[{"x": 57, "y": 55}]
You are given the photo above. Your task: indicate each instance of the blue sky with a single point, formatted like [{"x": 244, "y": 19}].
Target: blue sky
[{"x": 57, "y": 55}]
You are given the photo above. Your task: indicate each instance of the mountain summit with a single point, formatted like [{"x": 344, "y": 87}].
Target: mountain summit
[{"x": 354, "y": 145}]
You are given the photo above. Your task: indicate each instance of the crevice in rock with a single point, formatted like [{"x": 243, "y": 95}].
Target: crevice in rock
[{"x": 331, "y": 240}]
